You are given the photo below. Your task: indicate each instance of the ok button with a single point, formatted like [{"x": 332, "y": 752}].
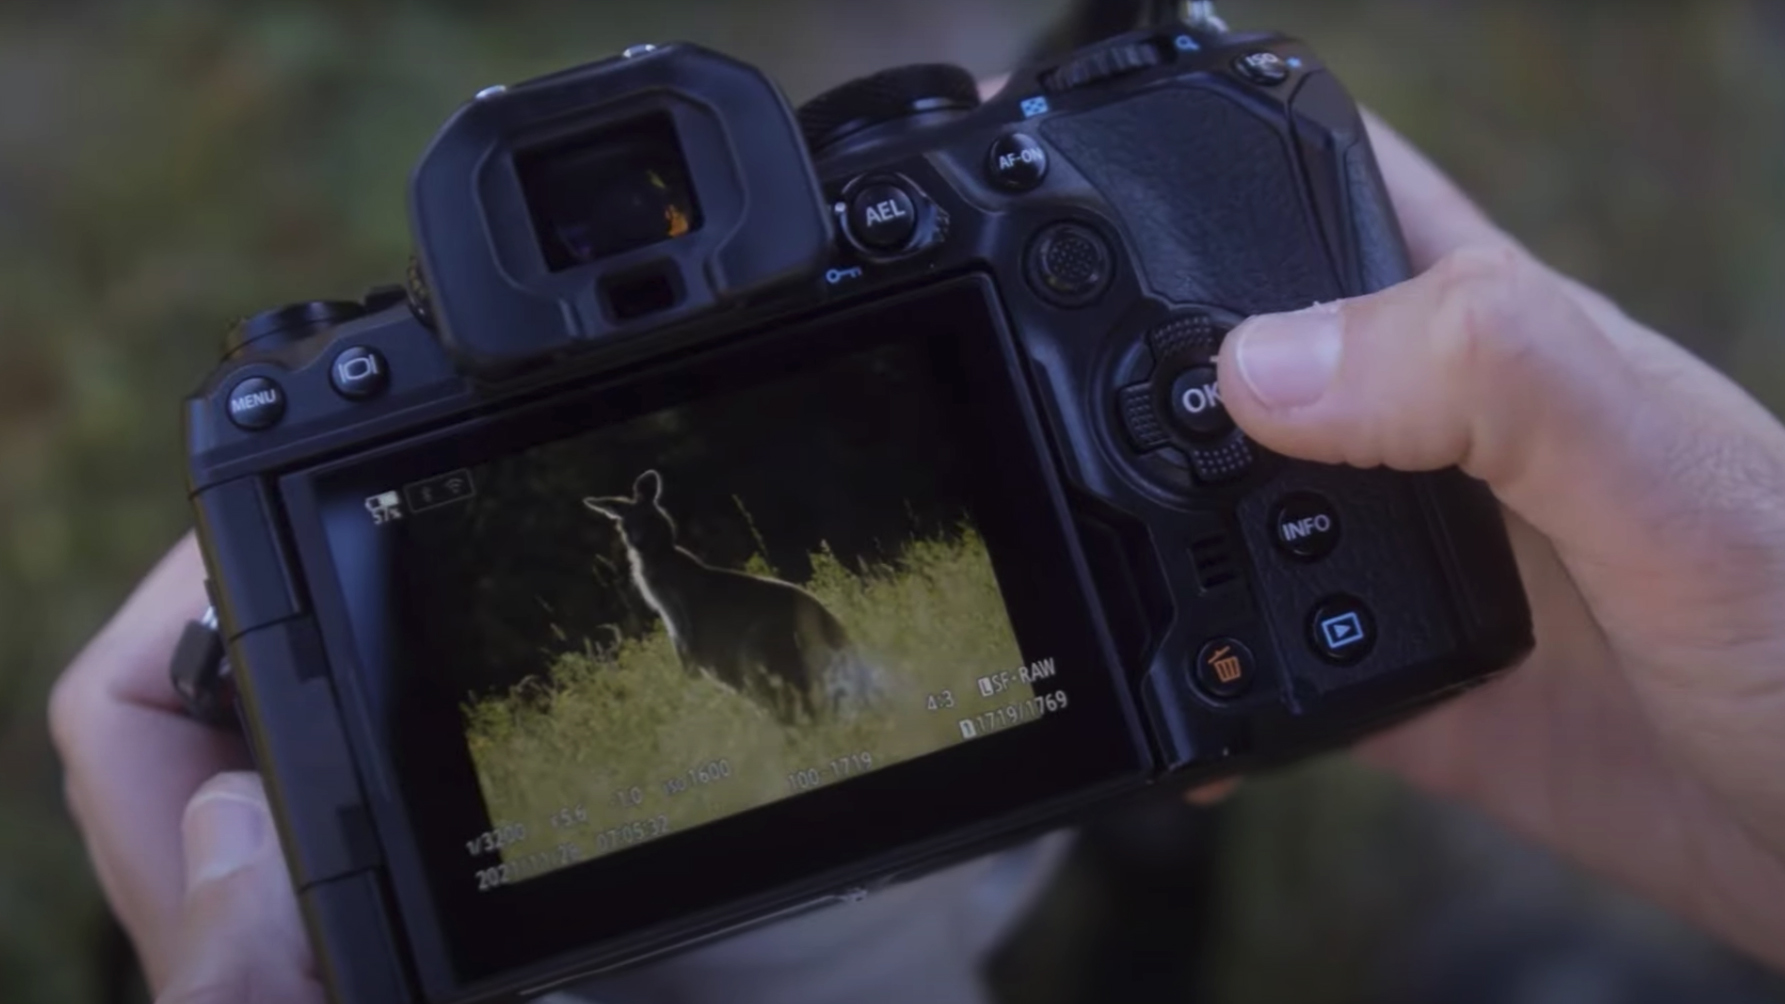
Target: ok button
[{"x": 1196, "y": 407}]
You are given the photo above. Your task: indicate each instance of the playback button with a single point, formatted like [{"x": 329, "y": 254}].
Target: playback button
[{"x": 1342, "y": 630}]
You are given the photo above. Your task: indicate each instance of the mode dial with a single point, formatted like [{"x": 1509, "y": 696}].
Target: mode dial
[
  {"x": 290, "y": 323},
  {"x": 884, "y": 97},
  {"x": 1102, "y": 64}
]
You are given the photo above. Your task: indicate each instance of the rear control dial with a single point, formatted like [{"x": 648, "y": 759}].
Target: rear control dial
[{"x": 885, "y": 97}]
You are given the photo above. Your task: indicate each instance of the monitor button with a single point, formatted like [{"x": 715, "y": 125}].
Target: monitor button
[{"x": 359, "y": 373}]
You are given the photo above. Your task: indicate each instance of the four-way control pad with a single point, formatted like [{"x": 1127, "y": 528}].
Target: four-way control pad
[{"x": 1169, "y": 402}]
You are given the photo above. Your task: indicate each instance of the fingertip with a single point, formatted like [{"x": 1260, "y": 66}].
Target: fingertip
[
  {"x": 1213, "y": 793},
  {"x": 227, "y": 826},
  {"x": 1287, "y": 361}
]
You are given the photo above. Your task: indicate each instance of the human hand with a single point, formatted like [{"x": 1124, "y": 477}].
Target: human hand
[
  {"x": 181, "y": 838},
  {"x": 1645, "y": 737}
]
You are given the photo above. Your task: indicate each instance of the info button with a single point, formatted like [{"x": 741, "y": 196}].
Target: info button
[{"x": 1305, "y": 526}]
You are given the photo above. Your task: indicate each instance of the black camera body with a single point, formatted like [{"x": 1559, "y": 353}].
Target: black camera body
[{"x": 736, "y": 512}]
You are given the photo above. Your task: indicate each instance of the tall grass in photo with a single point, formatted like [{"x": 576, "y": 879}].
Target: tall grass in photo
[{"x": 618, "y": 734}]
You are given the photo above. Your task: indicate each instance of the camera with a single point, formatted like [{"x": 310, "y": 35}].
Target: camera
[{"x": 738, "y": 510}]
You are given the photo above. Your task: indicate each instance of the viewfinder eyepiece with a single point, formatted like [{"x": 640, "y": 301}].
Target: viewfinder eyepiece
[
  {"x": 608, "y": 193},
  {"x": 580, "y": 211}
]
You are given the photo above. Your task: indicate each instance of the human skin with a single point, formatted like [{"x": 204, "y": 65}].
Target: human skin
[{"x": 1644, "y": 738}]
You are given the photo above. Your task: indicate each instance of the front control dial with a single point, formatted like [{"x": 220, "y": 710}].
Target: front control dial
[
  {"x": 1097, "y": 65},
  {"x": 887, "y": 96}
]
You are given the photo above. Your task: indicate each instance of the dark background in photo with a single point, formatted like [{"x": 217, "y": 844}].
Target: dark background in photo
[{"x": 746, "y": 473}]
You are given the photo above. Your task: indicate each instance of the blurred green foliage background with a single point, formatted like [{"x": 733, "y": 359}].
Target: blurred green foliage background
[{"x": 166, "y": 167}]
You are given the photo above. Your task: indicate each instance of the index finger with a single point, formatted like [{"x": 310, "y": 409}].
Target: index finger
[{"x": 132, "y": 757}]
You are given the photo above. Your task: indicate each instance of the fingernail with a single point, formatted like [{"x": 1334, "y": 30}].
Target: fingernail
[
  {"x": 1287, "y": 360},
  {"x": 225, "y": 832}
]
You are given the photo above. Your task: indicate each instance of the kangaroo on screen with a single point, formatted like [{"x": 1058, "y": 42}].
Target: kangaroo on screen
[{"x": 759, "y": 636}]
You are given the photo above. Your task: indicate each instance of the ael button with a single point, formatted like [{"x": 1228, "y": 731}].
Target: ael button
[
  {"x": 1016, "y": 162},
  {"x": 1305, "y": 526},
  {"x": 256, "y": 403},
  {"x": 1224, "y": 668},
  {"x": 883, "y": 217},
  {"x": 1342, "y": 630}
]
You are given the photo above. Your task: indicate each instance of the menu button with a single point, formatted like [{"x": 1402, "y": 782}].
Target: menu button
[{"x": 256, "y": 403}]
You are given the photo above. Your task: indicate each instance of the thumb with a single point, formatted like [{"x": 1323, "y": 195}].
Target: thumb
[
  {"x": 1639, "y": 462},
  {"x": 1482, "y": 362},
  {"x": 241, "y": 938}
]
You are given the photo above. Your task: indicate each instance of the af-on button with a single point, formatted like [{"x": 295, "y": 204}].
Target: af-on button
[{"x": 1016, "y": 162}]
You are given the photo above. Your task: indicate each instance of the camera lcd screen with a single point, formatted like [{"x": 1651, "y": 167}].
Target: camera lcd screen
[
  {"x": 714, "y": 606},
  {"x": 694, "y": 632}
]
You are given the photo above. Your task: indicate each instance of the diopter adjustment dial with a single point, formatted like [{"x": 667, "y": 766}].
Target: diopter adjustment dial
[
  {"x": 883, "y": 97},
  {"x": 1101, "y": 64}
]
